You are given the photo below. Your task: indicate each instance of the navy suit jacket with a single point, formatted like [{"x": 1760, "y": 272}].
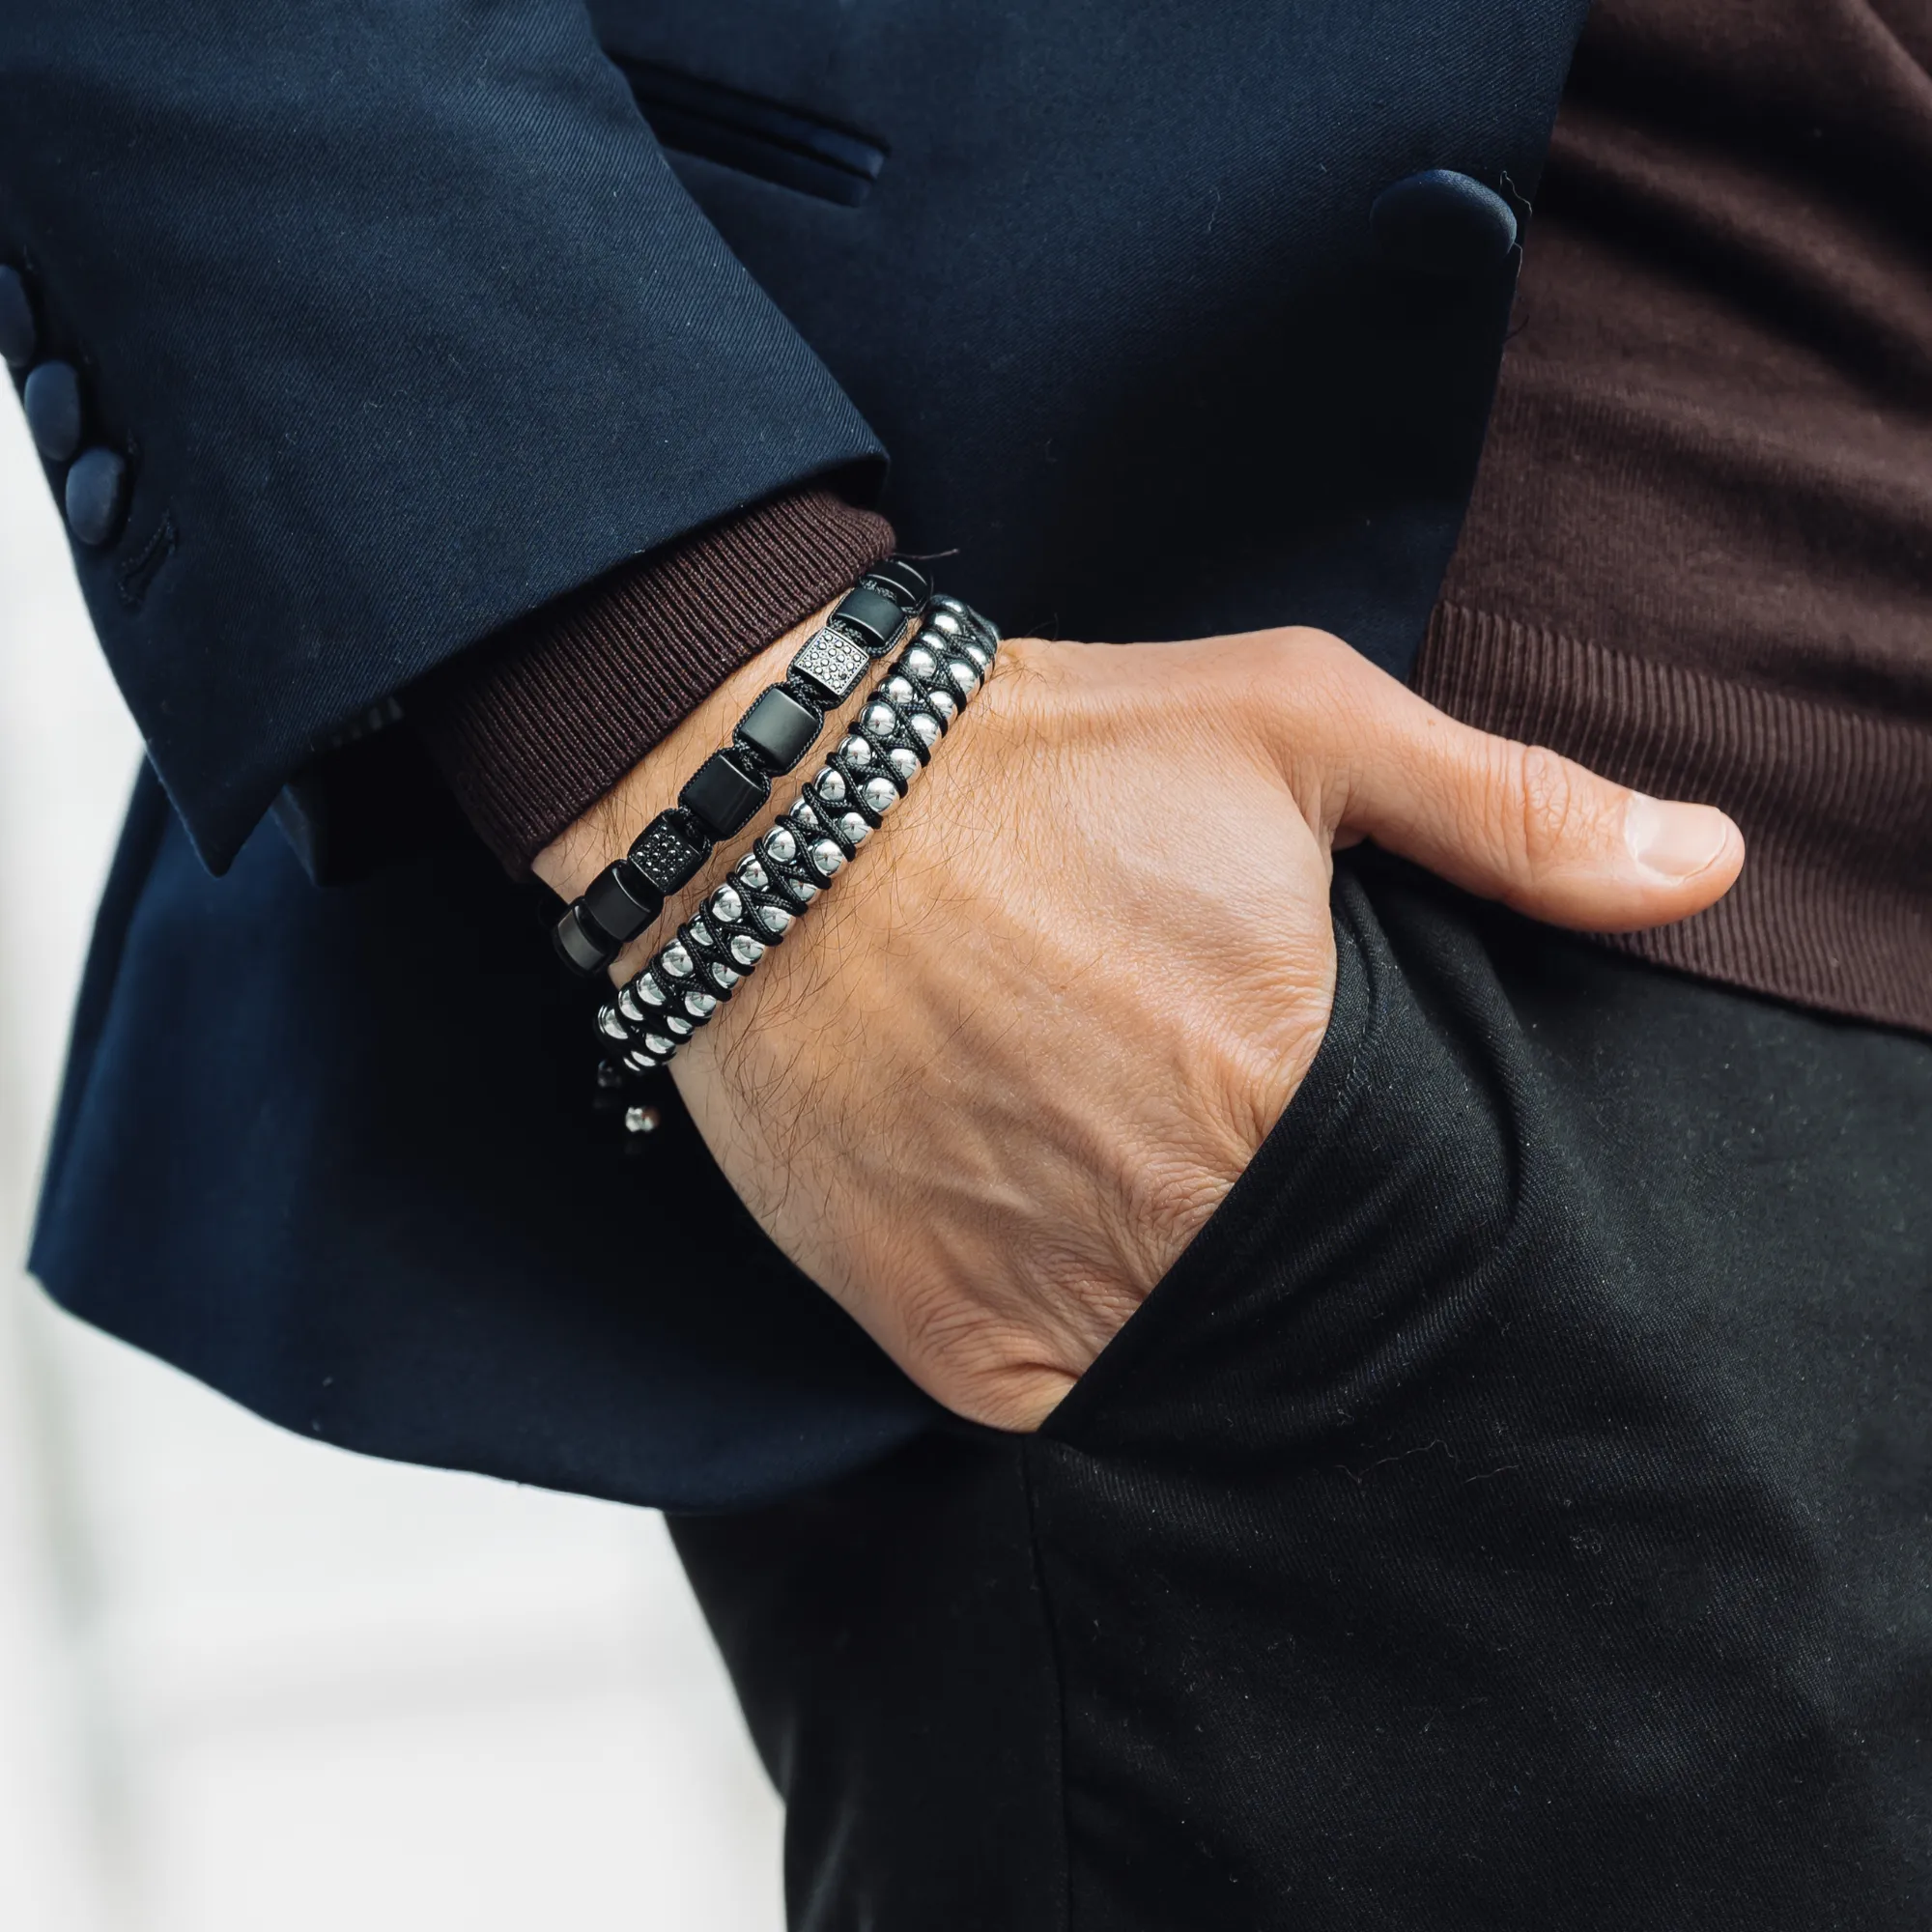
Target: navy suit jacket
[{"x": 402, "y": 318}]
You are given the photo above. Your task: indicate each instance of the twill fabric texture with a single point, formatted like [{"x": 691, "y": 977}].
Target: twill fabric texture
[
  {"x": 1509, "y": 1514},
  {"x": 411, "y": 324}
]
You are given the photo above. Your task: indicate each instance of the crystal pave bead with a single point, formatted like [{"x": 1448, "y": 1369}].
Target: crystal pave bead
[
  {"x": 699, "y": 1006},
  {"x": 827, "y": 859},
  {"x": 746, "y": 949},
  {"x": 780, "y": 847},
  {"x": 903, "y": 763},
  {"x": 726, "y": 907},
  {"x": 882, "y": 794},
  {"x": 676, "y": 960}
]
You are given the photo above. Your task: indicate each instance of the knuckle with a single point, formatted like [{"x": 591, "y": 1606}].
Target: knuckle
[{"x": 1561, "y": 812}]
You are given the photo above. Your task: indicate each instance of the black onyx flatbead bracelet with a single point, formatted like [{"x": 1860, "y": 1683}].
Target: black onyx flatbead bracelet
[
  {"x": 892, "y": 740},
  {"x": 729, "y": 790}
]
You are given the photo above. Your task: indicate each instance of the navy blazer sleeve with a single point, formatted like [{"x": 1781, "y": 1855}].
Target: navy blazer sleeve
[{"x": 401, "y": 325}]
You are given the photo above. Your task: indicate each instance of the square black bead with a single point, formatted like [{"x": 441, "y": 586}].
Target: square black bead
[
  {"x": 722, "y": 796},
  {"x": 830, "y": 662},
  {"x": 780, "y": 728},
  {"x": 622, "y": 900},
  {"x": 669, "y": 853},
  {"x": 905, "y": 583},
  {"x": 578, "y": 946},
  {"x": 873, "y": 619}
]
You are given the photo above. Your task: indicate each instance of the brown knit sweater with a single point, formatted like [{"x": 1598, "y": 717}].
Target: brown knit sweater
[
  {"x": 1699, "y": 554},
  {"x": 538, "y": 723}
]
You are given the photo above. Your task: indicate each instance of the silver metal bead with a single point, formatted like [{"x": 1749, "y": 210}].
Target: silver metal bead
[
  {"x": 899, "y": 690},
  {"x": 701, "y": 932},
  {"x": 699, "y": 1006},
  {"x": 611, "y": 1025},
  {"x": 903, "y": 763},
  {"x": 831, "y": 785},
  {"x": 965, "y": 679},
  {"x": 805, "y": 816},
  {"x": 780, "y": 847},
  {"x": 647, "y": 991},
  {"x": 946, "y": 704},
  {"x": 976, "y": 651},
  {"x": 775, "y": 919},
  {"x": 676, "y": 1023},
  {"x": 746, "y": 949},
  {"x": 660, "y": 1045},
  {"x": 922, "y": 663},
  {"x": 676, "y": 960},
  {"x": 826, "y": 858},
  {"x": 752, "y": 873},
  {"x": 805, "y": 889},
  {"x": 726, "y": 907},
  {"x": 723, "y": 976},
  {"x": 641, "y": 1063},
  {"x": 925, "y": 728},
  {"x": 855, "y": 828},
  {"x": 641, "y": 1119},
  {"x": 944, "y": 622},
  {"x": 856, "y": 751},
  {"x": 882, "y": 794},
  {"x": 629, "y": 1004},
  {"x": 880, "y": 719}
]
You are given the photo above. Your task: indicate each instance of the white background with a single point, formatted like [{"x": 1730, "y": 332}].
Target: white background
[{"x": 251, "y": 1684}]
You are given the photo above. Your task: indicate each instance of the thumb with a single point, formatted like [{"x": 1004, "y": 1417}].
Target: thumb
[{"x": 1523, "y": 825}]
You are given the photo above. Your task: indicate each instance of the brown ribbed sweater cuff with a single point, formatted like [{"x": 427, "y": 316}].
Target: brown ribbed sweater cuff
[
  {"x": 1835, "y": 805},
  {"x": 538, "y": 723}
]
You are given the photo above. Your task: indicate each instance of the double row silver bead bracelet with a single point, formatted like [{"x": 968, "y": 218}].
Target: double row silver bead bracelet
[{"x": 899, "y": 725}]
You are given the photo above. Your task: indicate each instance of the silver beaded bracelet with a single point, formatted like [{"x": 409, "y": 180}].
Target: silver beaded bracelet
[{"x": 893, "y": 739}]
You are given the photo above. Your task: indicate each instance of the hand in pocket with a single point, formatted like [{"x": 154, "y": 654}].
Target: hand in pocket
[{"x": 990, "y": 1090}]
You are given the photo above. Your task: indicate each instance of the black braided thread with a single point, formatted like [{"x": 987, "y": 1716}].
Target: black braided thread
[{"x": 789, "y": 863}]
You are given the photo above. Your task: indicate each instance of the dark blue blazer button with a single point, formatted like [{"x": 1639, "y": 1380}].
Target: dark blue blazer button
[
  {"x": 53, "y": 410},
  {"x": 16, "y": 318},
  {"x": 1442, "y": 223},
  {"x": 96, "y": 486}
]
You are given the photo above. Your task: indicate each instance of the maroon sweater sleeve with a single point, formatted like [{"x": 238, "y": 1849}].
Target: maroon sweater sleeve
[{"x": 539, "y": 721}]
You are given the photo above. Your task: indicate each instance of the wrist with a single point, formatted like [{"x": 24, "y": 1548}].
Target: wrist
[{"x": 605, "y": 831}]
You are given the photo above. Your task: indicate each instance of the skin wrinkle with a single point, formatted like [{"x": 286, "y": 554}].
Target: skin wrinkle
[{"x": 1011, "y": 1062}]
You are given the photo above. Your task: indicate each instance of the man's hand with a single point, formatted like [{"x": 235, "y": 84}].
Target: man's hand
[{"x": 989, "y": 1090}]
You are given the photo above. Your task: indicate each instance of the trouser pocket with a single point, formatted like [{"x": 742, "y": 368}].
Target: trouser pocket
[{"x": 1474, "y": 1532}]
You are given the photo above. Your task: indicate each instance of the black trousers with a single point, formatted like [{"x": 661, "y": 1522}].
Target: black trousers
[{"x": 1510, "y": 1512}]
